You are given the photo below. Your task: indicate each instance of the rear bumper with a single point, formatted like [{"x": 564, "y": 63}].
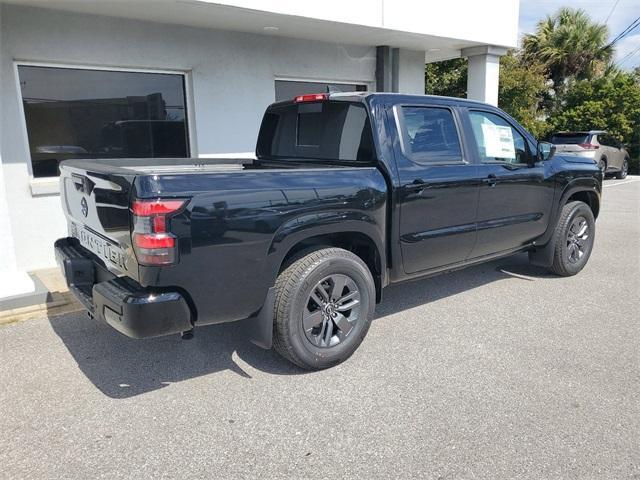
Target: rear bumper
[{"x": 129, "y": 308}]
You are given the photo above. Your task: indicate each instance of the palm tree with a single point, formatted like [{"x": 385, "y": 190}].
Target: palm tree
[{"x": 570, "y": 45}]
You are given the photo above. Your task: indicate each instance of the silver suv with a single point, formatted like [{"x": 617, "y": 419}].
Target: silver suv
[{"x": 605, "y": 149}]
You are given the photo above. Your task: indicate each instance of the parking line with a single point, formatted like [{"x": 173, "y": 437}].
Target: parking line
[{"x": 622, "y": 183}]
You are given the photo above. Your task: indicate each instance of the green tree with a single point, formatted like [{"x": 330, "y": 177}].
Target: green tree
[
  {"x": 447, "y": 78},
  {"x": 570, "y": 46},
  {"x": 611, "y": 103},
  {"x": 522, "y": 88}
]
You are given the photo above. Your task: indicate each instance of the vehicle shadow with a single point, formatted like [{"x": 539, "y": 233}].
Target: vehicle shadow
[{"x": 121, "y": 367}]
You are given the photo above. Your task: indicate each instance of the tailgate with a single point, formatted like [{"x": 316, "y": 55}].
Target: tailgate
[{"x": 96, "y": 205}]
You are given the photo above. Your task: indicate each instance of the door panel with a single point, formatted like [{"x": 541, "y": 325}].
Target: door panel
[
  {"x": 619, "y": 155},
  {"x": 515, "y": 199},
  {"x": 610, "y": 149},
  {"x": 438, "y": 189},
  {"x": 513, "y": 207},
  {"x": 437, "y": 218}
]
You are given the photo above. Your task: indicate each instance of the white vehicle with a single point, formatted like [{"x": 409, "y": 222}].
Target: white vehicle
[{"x": 609, "y": 153}]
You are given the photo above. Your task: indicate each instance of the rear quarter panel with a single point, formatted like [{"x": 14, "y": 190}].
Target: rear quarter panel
[{"x": 238, "y": 227}]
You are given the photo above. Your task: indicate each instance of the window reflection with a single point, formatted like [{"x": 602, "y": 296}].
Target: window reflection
[
  {"x": 79, "y": 113},
  {"x": 289, "y": 89}
]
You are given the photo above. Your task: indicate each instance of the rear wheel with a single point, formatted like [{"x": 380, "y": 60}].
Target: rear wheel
[
  {"x": 622, "y": 174},
  {"x": 602, "y": 165},
  {"x": 574, "y": 236},
  {"x": 323, "y": 308}
]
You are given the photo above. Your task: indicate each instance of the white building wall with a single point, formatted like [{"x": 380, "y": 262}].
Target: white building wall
[
  {"x": 12, "y": 281},
  {"x": 230, "y": 79},
  {"x": 487, "y": 21},
  {"x": 7, "y": 259}
]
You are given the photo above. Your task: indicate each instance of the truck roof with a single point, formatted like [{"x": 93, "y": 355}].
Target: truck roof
[{"x": 394, "y": 97}]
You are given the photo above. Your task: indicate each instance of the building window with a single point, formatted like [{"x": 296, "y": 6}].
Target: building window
[
  {"x": 82, "y": 113},
  {"x": 289, "y": 89}
]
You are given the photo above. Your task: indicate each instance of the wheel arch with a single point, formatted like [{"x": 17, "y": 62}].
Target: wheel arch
[
  {"x": 584, "y": 190},
  {"x": 590, "y": 197},
  {"x": 358, "y": 237}
]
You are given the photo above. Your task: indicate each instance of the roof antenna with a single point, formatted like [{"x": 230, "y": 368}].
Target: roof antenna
[{"x": 332, "y": 89}]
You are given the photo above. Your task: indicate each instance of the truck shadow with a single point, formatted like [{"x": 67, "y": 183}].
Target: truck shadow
[{"x": 121, "y": 367}]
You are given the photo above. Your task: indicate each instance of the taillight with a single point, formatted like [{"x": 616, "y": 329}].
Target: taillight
[
  {"x": 153, "y": 242},
  {"x": 311, "y": 97},
  {"x": 588, "y": 146}
]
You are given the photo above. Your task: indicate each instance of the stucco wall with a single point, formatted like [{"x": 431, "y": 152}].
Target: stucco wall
[
  {"x": 411, "y": 72},
  {"x": 7, "y": 258},
  {"x": 231, "y": 78}
]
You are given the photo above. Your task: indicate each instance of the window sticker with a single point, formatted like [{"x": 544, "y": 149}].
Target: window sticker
[{"x": 498, "y": 141}]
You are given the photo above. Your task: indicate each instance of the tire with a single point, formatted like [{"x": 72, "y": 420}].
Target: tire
[
  {"x": 602, "y": 165},
  {"x": 310, "y": 331},
  {"x": 622, "y": 174},
  {"x": 573, "y": 246}
]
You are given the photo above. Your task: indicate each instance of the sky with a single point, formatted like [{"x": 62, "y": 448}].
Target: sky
[{"x": 625, "y": 12}]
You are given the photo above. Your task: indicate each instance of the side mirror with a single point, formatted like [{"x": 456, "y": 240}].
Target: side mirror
[{"x": 545, "y": 151}]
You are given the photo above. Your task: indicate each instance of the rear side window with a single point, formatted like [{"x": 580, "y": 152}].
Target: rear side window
[
  {"x": 317, "y": 131},
  {"x": 607, "y": 140},
  {"x": 429, "y": 135},
  {"x": 572, "y": 139}
]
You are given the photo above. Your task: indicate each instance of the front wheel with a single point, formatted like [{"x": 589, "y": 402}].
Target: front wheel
[
  {"x": 622, "y": 174},
  {"x": 574, "y": 235},
  {"x": 323, "y": 308}
]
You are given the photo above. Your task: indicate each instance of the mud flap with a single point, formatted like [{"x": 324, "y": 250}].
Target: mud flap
[
  {"x": 543, "y": 256},
  {"x": 259, "y": 328}
]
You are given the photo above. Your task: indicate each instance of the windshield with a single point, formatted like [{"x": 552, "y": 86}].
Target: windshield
[
  {"x": 317, "y": 131},
  {"x": 571, "y": 138}
]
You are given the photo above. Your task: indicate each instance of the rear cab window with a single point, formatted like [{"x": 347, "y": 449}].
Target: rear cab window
[{"x": 317, "y": 131}]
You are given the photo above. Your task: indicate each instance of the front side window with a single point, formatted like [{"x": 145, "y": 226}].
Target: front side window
[
  {"x": 429, "y": 135},
  {"x": 497, "y": 140},
  {"x": 81, "y": 113}
]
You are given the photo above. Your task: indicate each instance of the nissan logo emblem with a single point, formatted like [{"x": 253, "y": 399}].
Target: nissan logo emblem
[{"x": 84, "y": 206}]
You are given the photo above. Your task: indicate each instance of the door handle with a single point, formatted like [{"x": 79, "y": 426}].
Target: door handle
[
  {"x": 418, "y": 186},
  {"x": 491, "y": 180}
]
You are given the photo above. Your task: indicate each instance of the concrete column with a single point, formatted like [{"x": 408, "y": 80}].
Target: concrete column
[
  {"x": 484, "y": 72},
  {"x": 384, "y": 69},
  {"x": 12, "y": 281},
  {"x": 411, "y": 71}
]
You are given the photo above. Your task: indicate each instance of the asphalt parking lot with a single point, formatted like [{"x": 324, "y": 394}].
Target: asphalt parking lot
[{"x": 498, "y": 371}]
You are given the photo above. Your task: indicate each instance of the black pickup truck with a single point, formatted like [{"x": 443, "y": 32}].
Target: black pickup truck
[{"x": 348, "y": 193}]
